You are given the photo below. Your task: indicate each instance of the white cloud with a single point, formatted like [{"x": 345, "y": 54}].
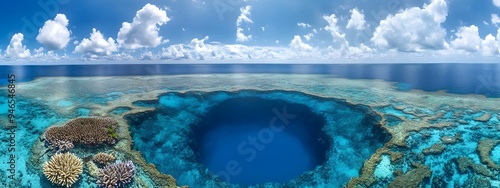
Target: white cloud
[
  {"x": 489, "y": 46},
  {"x": 143, "y": 31},
  {"x": 495, "y": 20},
  {"x": 199, "y": 45},
  {"x": 297, "y": 44},
  {"x": 496, "y": 3},
  {"x": 175, "y": 52},
  {"x": 49, "y": 56},
  {"x": 96, "y": 46},
  {"x": 303, "y": 25},
  {"x": 16, "y": 48},
  {"x": 467, "y": 39},
  {"x": 362, "y": 51},
  {"x": 308, "y": 36},
  {"x": 334, "y": 30},
  {"x": 357, "y": 20},
  {"x": 54, "y": 34},
  {"x": 414, "y": 29},
  {"x": 147, "y": 56},
  {"x": 243, "y": 18},
  {"x": 39, "y": 50},
  {"x": 241, "y": 37}
]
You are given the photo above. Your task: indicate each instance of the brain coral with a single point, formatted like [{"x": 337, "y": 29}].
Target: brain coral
[
  {"x": 103, "y": 158},
  {"x": 87, "y": 131},
  {"x": 116, "y": 175},
  {"x": 63, "y": 169}
]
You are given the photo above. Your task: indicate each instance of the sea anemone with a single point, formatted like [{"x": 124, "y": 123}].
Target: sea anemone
[
  {"x": 63, "y": 169},
  {"x": 116, "y": 175}
]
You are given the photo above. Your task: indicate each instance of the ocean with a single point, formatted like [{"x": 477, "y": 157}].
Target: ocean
[
  {"x": 252, "y": 125},
  {"x": 482, "y": 79}
]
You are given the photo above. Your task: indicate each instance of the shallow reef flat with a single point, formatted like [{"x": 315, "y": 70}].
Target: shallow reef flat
[{"x": 415, "y": 138}]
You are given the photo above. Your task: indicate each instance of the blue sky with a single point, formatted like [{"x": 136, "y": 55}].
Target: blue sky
[{"x": 212, "y": 31}]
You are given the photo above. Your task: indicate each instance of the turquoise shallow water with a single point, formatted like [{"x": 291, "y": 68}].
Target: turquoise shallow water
[{"x": 371, "y": 129}]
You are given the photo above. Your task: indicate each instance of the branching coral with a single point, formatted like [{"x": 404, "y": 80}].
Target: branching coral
[
  {"x": 116, "y": 175},
  {"x": 63, "y": 169},
  {"x": 103, "y": 158},
  {"x": 87, "y": 131},
  {"x": 62, "y": 146}
]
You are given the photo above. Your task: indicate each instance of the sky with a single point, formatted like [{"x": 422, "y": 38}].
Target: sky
[{"x": 266, "y": 31}]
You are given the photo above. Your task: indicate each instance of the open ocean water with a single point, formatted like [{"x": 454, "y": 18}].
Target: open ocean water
[
  {"x": 461, "y": 78},
  {"x": 253, "y": 125}
]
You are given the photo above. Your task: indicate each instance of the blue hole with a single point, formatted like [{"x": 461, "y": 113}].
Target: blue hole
[{"x": 267, "y": 140}]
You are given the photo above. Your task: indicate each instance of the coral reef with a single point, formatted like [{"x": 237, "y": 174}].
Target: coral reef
[
  {"x": 464, "y": 164},
  {"x": 63, "y": 169},
  {"x": 62, "y": 145},
  {"x": 92, "y": 169},
  {"x": 451, "y": 140},
  {"x": 103, "y": 158},
  {"x": 483, "y": 118},
  {"x": 86, "y": 131},
  {"x": 434, "y": 149},
  {"x": 484, "y": 149},
  {"x": 116, "y": 175},
  {"x": 412, "y": 179},
  {"x": 438, "y": 115}
]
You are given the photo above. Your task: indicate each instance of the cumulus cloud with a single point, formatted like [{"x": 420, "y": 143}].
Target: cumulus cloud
[
  {"x": 243, "y": 18},
  {"x": 357, "y": 20},
  {"x": 414, "y": 29},
  {"x": 496, "y": 3},
  {"x": 467, "y": 39},
  {"x": 334, "y": 30},
  {"x": 489, "y": 46},
  {"x": 174, "y": 52},
  {"x": 297, "y": 44},
  {"x": 200, "y": 49},
  {"x": 495, "y": 20},
  {"x": 16, "y": 48},
  {"x": 96, "y": 46},
  {"x": 54, "y": 34},
  {"x": 241, "y": 37},
  {"x": 148, "y": 55},
  {"x": 362, "y": 51},
  {"x": 143, "y": 31}
]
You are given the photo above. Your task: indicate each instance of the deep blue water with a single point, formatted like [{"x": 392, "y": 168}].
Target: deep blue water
[
  {"x": 254, "y": 137},
  {"x": 454, "y": 78},
  {"x": 237, "y": 140}
]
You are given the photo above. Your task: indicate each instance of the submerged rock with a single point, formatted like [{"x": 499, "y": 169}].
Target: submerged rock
[
  {"x": 464, "y": 164},
  {"x": 412, "y": 179},
  {"x": 434, "y": 149},
  {"x": 483, "y": 118},
  {"x": 451, "y": 140},
  {"x": 484, "y": 148}
]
